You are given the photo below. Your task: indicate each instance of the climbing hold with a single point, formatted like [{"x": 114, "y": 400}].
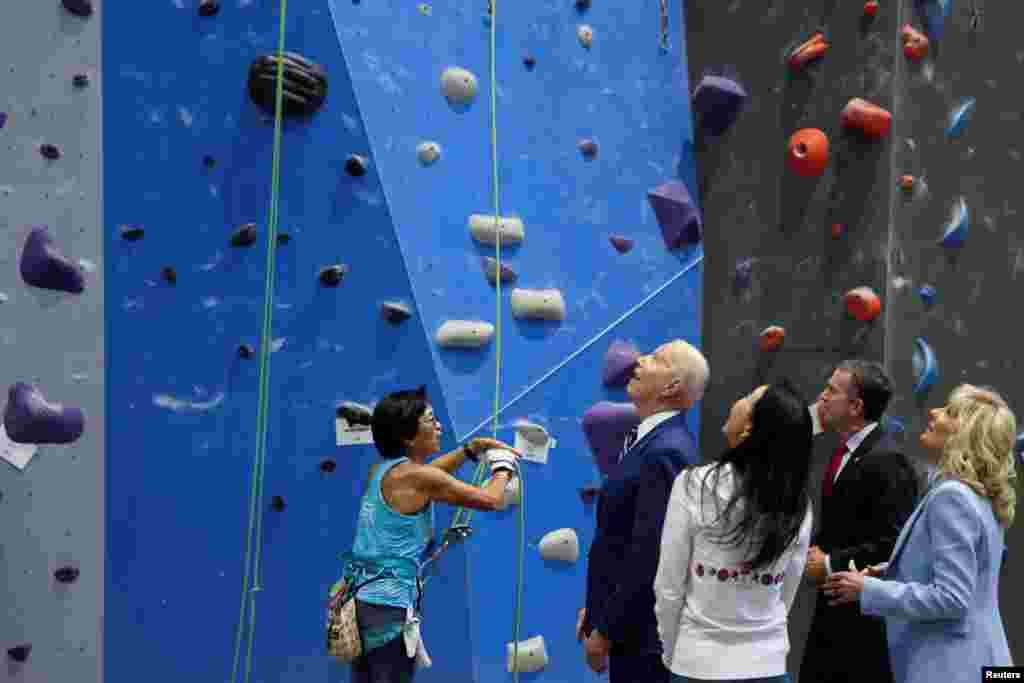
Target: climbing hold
[
  {"x": 208, "y": 8},
  {"x": 356, "y": 165},
  {"x": 80, "y": 8},
  {"x": 960, "y": 117},
  {"x": 933, "y": 14},
  {"x": 283, "y": 238},
  {"x": 43, "y": 266},
  {"x": 928, "y": 295},
  {"x": 20, "y": 653},
  {"x": 538, "y": 304},
  {"x": 915, "y": 43},
  {"x": 529, "y": 61},
  {"x": 582, "y": 5},
  {"x": 66, "y": 574},
  {"x": 49, "y": 151},
  {"x": 772, "y": 338},
  {"x": 894, "y": 425},
  {"x": 395, "y": 311},
  {"x": 926, "y": 369},
  {"x": 354, "y": 413},
  {"x": 244, "y": 236},
  {"x": 605, "y": 425},
  {"x": 491, "y": 271},
  {"x": 907, "y": 183},
  {"x": 277, "y": 503},
  {"x": 619, "y": 363},
  {"x": 484, "y": 230},
  {"x": 863, "y": 304},
  {"x": 532, "y": 432},
  {"x": 585, "y": 34},
  {"x": 304, "y": 84},
  {"x": 464, "y": 334},
  {"x": 719, "y": 101},
  {"x": 807, "y": 152},
  {"x": 870, "y": 119},
  {"x": 677, "y": 215},
  {"x": 870, "y": 8},
  {"x": 169, "y": 274},
  {"x": 30, "y": 418},
  {"x": 331, "y": 276},
  {"x": 209, "y": 161},
  {"x": 327, "y": 465},
  {"x": 80, "y": 80},
  {"x": 246, "y": 351},
  {"x": 808, "y": 51},
  {"x": 459, "y": 86},
  {"x": 132, "y": 232},
  {"x": 425, "y": 9},
  {"x": 955, "y": 233},
  {"x": 743, "y": 276},
  {"x": 3, "y": 119},
  {"x": 837, "y": 230},
  {"x": 529, "y": 656},
  {"x": 561, "y": 544},
  {"x": 621, "y": 244},
  {"x": 588, "y": 148},
  {"x": 428, "y": 152}
]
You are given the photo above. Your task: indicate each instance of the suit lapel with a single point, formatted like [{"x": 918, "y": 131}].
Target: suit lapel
[
  {"x": 863, "y": 449},
  {"x": 901, "y": 540},
  {"x": 641, "y": 443}
]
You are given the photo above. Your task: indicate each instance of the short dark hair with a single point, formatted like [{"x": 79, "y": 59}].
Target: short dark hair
[
  {"x": 396, "y": 419},
  {"x": 871, "y": 384}
]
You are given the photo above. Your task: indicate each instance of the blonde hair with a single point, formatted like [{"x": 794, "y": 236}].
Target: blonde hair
[{"x": 980, "y": 453}]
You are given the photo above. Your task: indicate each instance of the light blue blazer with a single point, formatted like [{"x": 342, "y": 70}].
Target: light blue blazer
[{"x": 940, "y": 593}]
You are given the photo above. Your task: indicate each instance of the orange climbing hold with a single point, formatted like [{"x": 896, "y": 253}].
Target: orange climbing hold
[
  {"x": 811, "y": 49},
  {"x": 907, "y": 183},
  {"x": 808, "y": 152},
  {"x": 863, "y": 304},
  {"x": 772, "y": 338},
  {"x": 870, "y": 119},
  {"x": 915, "y": 43},
  {"x": 870, "y": 8},
  {"x": 837, "y": 230}
]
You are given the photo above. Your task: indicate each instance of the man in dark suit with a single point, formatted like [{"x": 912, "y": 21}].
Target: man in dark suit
[
  {"x": 869, "y": 490},
  {"x": 618, "y": 621}
]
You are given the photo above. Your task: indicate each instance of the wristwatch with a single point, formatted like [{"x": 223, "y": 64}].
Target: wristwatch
[{"x": 469, "y": 452}]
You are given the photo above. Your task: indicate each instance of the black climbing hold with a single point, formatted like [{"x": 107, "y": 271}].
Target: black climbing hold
[
  {"x": 244, "y": 236},
  {"x": 304, "y": 84},
  {"x": 209, "y": 161},
  {"x": 132, "y": 232},
  {"x": 331, "y": 276},
  {"x": 277, "y": 503},
  {"x": 283, "y": 238},
  {"x": 356, "y": 165},
  {"x": 395, "y": 312},
  {"x": 20, "y": 653},
  {"x": 529, "y": 62},
  {"x": 80, "y": 8},
  {"x": 66, "y": 574},
  {"x": 80, "y": 80},
  {"x": 588, "y": 148},
  {"x": 51, "y": 152},
  {"x": 246, "y": 351},
  {"x": 207, "y": 8},
  {"x": 43, "y": 266},
  {"x": 582, "y": 5},
  {"x": 30, "y": 418},
  {"x": 169, "y": 274},
  {"x": 327, "y": 465},
  {"x": 354, "y": 413}
]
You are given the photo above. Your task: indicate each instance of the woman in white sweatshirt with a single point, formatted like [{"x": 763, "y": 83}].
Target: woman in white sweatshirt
[{"x": 734, "y": 545}]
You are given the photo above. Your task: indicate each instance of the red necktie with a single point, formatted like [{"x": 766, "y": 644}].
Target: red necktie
[{"x": 833, "y": 467}]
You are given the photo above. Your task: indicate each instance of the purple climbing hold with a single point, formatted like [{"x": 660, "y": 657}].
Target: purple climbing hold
[
  {"x": 605, "y": 425},
  {"x": 30, "y": 418},
  {"x": 677, "y": 215},
  {"x": 744, "y": 276},
  {"x": 619, "y": 363},
  {"x": 621, "y": 244},
  {"x": 80, "y": 8},
  {"x": 42, "y": 265},
  {"x": 3, "y": 119},
  {"x": 20, "y": 653},
  {"x": 719, "y": 102},
  {"x": 51, "y": 152}
]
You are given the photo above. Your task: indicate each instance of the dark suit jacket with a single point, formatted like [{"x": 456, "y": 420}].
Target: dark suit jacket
[
  {"x": 623, "y": 559},
  {"x": 876, "y": 492}
]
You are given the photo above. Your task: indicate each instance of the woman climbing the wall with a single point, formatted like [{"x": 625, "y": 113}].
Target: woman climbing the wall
[
  {"x": 734, "y": 545},
  {"x": 396, "y": 525}
]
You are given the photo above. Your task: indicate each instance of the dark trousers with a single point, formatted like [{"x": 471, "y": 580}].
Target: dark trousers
[
  {"x": 637, "y": 668},
  {"x": 385, "y": 664},
  {"x": 784, "y": 678}
]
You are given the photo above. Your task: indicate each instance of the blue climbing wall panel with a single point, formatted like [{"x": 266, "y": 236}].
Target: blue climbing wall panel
[{"x": 182, "y": 404}]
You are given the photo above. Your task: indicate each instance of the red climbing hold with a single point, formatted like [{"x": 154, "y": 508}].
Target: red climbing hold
[
  {"x": 870, "y": 119},
  {"x": 870, "y": 8},
  {"x": 915, "y": 43},
  {"x": 772, "y": 338},
  {"x": 811, "y": 49},
  {"x": 808, "y": 152},
  {"x": 863, "y": 304}
]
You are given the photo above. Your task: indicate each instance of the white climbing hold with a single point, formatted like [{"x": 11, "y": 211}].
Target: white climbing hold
[
  {"x": 458, "y": 85},
  {"x": 483, "y": 229},
  {"x": 534, "y": 433},
  {"x": 428, "y": 152},
  {"x": 585, "y": 34},
  {"x": 538, "y": 304},
  {"x": 560, "y": 544},
  {"x": 531, "y": 656},
  {"x": 464, "y": 334}
]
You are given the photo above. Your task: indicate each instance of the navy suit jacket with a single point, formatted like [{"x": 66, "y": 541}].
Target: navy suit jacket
[{"x": 623, "y": 559}]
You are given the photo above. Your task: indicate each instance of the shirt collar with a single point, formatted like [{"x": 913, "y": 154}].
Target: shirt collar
[
  {"x": 653, "y": 421},
  {"x": 858, "y": 438}
]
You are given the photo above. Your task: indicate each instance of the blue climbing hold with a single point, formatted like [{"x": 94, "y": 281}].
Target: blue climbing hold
[
  {"x": 42, "y": 265},
  {"x": 30, "y": 418},
  {"x": 928, "y": 295},
  {"x": 955, "y": 233},
  {"x": 744, "y": 275},
  {"x": 926, "y": 369},
  {"x": 933, "y": 14},
  {"x": 960, "y": 117},
  {"x": 719, "y": 101},
  {"x": 895, "y": 426}
]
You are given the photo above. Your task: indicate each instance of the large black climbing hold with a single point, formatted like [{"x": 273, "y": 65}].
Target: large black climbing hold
[
  {"x": 80, "y": 8},
  {"x": 66, "y": 574},
  {"x": 327, "y": 465},
  {"x": 51, "y": 152},
  {"x": 132, "y": 232},
  {"x": 42, "y": 265},
  {"x": 305, "y": 84},
  {"x": 169, "y": 274},
  {"x": 30, "y": 418},
  {"x": 207, "y": 8},
  {"x": 356, "y": 165},
  {"x": 331, "y": 276},
  {"x": 277, "y": 503},
  {"x": 244, "y": 236},
  {"x": 20, "y": 653},
  {"x": 395, "y": 312}
]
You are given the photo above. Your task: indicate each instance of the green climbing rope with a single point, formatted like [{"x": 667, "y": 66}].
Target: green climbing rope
[{"x": 252, "y": 558}]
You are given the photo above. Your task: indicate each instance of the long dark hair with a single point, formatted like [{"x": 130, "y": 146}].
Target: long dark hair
[{"x": 770, "y": 467}]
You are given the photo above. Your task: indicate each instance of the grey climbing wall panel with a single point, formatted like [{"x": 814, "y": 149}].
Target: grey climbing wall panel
[{"x": 51, "y": 511}]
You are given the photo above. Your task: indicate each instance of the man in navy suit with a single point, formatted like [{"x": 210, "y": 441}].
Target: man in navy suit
[{"x": 618, "y": 621}]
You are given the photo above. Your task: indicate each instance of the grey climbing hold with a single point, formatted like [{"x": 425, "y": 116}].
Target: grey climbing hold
[
  {"x": 354, "y": 413},
  {"x": 169, "y": 275},
  {"x": 538, "y": 304},
  {"x": 356, "y": 165},
  {"x": 331, "y": 276},
  {"x": 49, "y": 151},
  {"x": 132, "y": 232},
  {"x": 43, "y": 266},
  {"x": 621, "y": 244},
  {"x": 528, "y": 656},
  {"x": 428, "y": 152},
  {"x": 80, "y": 8},
  {"x": 304, "y": 84},
  {"x": 464, "y": 334},
  {"x": 30, "y": 418},
  {"x": 585, "y": 34},
  {"x": 458, "y": 85},
  {"x": 395, "y": 311},
  {"x": 562, "y": 545},
  {"x": 588, "y": 148},
  {"x": 208, "y": 8},
  {"x": 491, "y": 271},
  {"x": 484, "y": 230},
  {"x": 244, "y": 236},
  {"x": 20, "y": 653},
  {"x": 532, "y": 432}
]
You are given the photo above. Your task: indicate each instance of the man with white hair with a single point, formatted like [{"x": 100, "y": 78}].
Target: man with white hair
[{"x": 618, "y": 621}]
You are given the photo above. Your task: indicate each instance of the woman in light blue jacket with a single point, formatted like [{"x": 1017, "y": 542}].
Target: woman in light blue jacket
[{"x": 939, "y": 591}]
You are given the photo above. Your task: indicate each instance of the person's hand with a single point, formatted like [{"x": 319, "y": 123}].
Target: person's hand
[
  {"x": 480, "y": 444},
  {"x": 581, "y": 616},
  {"x": 815, "y": 568},
  {"x": 875, "y": 570},
  {"x": 844, "y": 587},
  {"x": 502, "y": 459},
  {"x": 596, "y": 647}
]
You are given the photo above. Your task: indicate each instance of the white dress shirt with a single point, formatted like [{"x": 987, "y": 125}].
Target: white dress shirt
[
  {"x": 851, "y": 445},
  {"x": 653, "y": 421}
]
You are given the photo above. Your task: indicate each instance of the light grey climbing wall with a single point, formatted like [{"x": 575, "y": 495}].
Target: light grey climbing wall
[{"x": 51, "y": 511}]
